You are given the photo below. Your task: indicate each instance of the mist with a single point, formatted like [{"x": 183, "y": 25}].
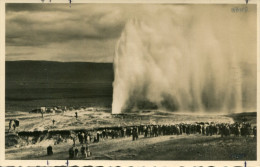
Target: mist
[{"x": 183, "y": 59}]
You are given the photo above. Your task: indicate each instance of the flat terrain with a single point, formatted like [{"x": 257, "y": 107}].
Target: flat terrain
[
  {"x": 171, "y": 147},
  {"x": 183, "y": 147},
  {"x": 101, "y": 117}
]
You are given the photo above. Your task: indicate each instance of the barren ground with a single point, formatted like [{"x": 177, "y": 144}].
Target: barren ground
[{"x": 173, "y": 147}]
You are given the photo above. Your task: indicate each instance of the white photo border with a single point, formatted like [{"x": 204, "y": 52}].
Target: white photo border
[{"x": 191, "y": 163}]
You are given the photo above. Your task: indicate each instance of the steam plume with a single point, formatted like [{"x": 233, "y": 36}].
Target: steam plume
[{"x": 175, "y": 64}]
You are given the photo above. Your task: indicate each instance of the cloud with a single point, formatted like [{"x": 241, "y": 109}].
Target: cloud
[
  {"x": 42, "y": 26},
  {"x": 59, "y": 27},
  {"x": 86, "y": 50}
]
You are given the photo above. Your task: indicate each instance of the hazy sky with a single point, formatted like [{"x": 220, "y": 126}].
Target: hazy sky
[{"x": 89, "y": 32}]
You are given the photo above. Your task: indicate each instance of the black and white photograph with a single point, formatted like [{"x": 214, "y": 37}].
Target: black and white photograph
[{"x": 130, "y": 81}]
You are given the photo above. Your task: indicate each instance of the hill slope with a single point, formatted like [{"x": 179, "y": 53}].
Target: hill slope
[{"x": 27, "y": 81}]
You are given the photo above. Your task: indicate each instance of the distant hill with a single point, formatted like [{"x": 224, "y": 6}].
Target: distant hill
[
  {"x": 61, "y": 74},
  {"x": 46, "y": 79}
]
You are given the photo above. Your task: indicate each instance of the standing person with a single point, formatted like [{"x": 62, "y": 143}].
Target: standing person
[
  {"x": 97, "y": 136},
  {"x": 149, "y": 131},
  {"x": 145, "y": 131},
  {"x": 254, "y": 131},
  {"x": 53, "y": 121},
  {"x": 112, "y": 134},
  {"x": 74, "y": 141},
  {"x": 73, "y": 137},
  {"x": 122, "y": 132},
  {"x": 88, "y": 151},
  {"x": 49, "y": 150},
  {"x": 17, "y": 122},
  {"x": 14, "y": 126},
  {"x": 85, "y": 137},
  {"x": 134, "y": 133},
  {"x": 83, "y": 151},
  {"x": 59, "y": 140},
  {"x": 10, "y": 125},
  {"x": 71, "y": 152},
  {"x": 103, "y": 134},
  {"x": 42, "y": 111},
  {"x": 95, "y": 140},
  {"x": 106, "y": 133},
  {"x": 80, "y": 137},
  {"x": 76, "y": 151},
  {"x": 76, "y": 115}
]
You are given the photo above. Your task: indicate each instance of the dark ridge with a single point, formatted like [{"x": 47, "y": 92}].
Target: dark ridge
[
  {"x": 58, "y": 72},
  {"x": 34, "y": 80},
  {"x": 41, "y": 74}
]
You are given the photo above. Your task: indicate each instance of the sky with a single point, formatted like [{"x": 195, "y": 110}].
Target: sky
[{"x": 89, "y": 32}]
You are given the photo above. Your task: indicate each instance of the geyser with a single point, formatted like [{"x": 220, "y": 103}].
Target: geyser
[{"x": 175, "y": 64}]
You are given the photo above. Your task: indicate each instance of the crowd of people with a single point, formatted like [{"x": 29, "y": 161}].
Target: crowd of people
[
  {"x": 207, "y": 129},
  {"x": 84, "y": 151},
  {"x": 85, "y": 138}
]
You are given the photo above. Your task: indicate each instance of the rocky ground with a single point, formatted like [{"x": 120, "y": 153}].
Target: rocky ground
[
  {"x": 101, "y": 117},
  {"x": 183, "y": 147},
  {"x": 172, "y": 147}
]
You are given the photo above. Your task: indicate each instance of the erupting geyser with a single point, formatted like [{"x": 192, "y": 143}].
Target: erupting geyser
[{"x": 176, "y": 64}]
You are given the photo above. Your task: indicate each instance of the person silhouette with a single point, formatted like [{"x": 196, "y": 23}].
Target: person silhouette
[
  {"x": 70, "y": 2},
  {"x": 76, "y": 115},
  {"x": 49, "y": 150}
]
